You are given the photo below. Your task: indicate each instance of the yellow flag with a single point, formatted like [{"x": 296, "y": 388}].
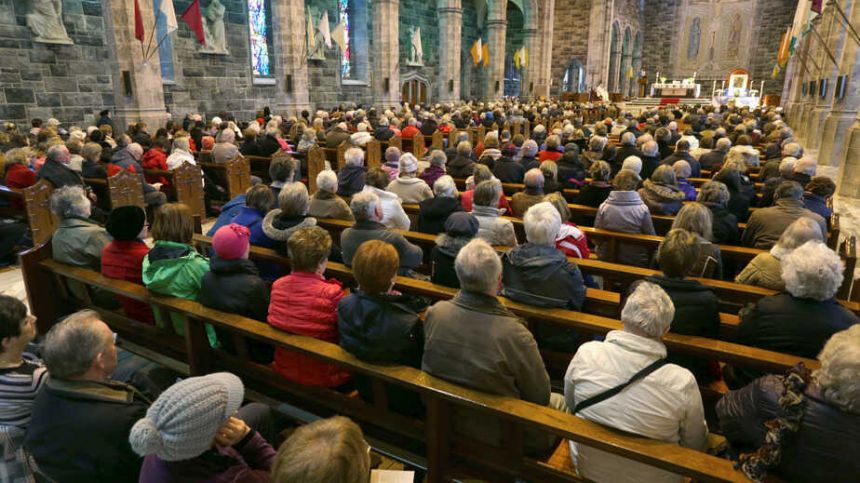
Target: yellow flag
[
  {"x": 486, "y": 55},
  {"x": 339, "y": 36},
  {"x": 517, "y": 59},
  {"x": 476, "y": 52}
]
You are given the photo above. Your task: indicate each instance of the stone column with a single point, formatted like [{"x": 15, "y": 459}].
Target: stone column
[
  {"x": 138, "y": 88},
  {"x": 540, "y": 58},
  {"x": 804, "y": 106},
  {"x": 840, "y": 118},
  {"x": 496, "y": 28},
  {"x": 290, "y": 32},
  {"x": 530, "y": 41},
  {"x": 386, "y": 61},
  {"x": 829, "y": 71},
  {"x": 450, "y": 45},
  {"x": 599, "y": 31}
]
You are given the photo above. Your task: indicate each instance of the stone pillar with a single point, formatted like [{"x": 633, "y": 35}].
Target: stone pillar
[
  {"x": 496, "y": 28},
  {"x": 138, "y": 88},
  {"x": 804, "y": 106},
  {"x": 835, "y": 39},
  {"x": 290, "y": 32},
  {"x": 836, "y": 125},
  {"x": 386, "y": 43},
  {"x": 540, "y": 58},
  {"x": 450, "y": 45},
  {"x": 530, "y": 41},
  {"x": 597, "y": 66}
]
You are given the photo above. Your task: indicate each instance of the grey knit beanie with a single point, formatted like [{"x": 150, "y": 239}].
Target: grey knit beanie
[{"x": 181, "y": 424}]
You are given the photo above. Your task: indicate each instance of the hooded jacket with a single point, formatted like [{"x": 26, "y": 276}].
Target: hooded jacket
[
  {"x": 410, "y": 190},
  {"x": 384, "y": 328},
  {"x": 824, "y": 448},
  {"x": 433, "y": 212},
  {"x": 540, "y": 275},
  {"x": 280, "y": 229},
  {"x": 442, "y": 259},
  {"x": 572, "y": 241},
  {"x": 496, "y": 230},
  {"x": 460, "y": 166},
  {"x": 350, "y": 179},
  {"x": 431, "y": 174},
  {"x": 661, "y": 199},
  {"x": 324, "y": 204},
  {"x": 235, "y": 286},
  {"x": 625, "y": 212},
  {"x": 252, "y": 219}
]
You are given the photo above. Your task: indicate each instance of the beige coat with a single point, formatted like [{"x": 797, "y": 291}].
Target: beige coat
[{"x": 762, "y": 271}]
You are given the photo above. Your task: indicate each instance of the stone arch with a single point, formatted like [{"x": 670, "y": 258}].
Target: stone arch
[
  {"x": 626, "y": 56},
  {"x": 614, "y": 57},
  {"x": 573, "y": 79},
  {"x": 637, "y": 61}
]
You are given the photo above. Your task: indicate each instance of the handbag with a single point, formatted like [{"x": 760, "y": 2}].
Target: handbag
[{"x": 615, "y": 390}]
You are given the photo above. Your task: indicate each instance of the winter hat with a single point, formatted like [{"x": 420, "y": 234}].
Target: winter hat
[
  {"x": 461, "y": 224},
  {"x": 408, "y": 163},
  {"x": 509, "y": 150},
  {"x": 125, "y": 222},
  {"x": 181, "y": 424},
  {"x": 231, "y": 241}
]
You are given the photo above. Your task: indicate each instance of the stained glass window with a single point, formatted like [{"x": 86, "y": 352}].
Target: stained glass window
[
  {"x": 346, "y": 56},
  {"x": 258, "y": 23}
]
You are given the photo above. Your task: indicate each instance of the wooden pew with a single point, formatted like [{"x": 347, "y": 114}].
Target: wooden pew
[
  {"x": 260, "y": 167},
  {"x": 234, "y": 175},
  {"x": 125, "y": 189},
  {"x": 186, "y": 186},
  {"x": 32, "y": 205},
  {"x": 448, "y": 453}
]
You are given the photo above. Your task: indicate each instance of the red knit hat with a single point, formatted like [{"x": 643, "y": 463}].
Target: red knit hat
[{"x": 231, "y": 241}]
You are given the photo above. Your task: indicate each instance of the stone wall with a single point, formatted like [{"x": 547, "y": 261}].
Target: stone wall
[
  {"x": 772, "y": 18},
  {"x": 570, "y": 38},
  {"x": 69, "y": 82},
  {"x": 513, "y": 41},
  {"x": 471, "y": 76},
  {"x": 661, "y": 27},
  {"x": 420, "y": 13}
]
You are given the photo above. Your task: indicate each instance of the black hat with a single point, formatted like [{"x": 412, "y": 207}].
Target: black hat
[
  {"x": 461, "y": 224},
  {"x": 126, "y": 222}
]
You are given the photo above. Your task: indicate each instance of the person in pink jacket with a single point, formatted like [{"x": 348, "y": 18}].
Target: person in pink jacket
[{"x": 305, "y": 303}]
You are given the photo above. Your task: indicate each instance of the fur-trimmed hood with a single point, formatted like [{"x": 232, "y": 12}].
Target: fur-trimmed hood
[{"x": 272, "y": 226}]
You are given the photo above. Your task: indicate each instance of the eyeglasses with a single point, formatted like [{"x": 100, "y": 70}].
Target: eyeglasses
[{"x": 114, "y": 337}]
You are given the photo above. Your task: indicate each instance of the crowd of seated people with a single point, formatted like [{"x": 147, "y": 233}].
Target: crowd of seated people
[{"x": 460, "y": 338}]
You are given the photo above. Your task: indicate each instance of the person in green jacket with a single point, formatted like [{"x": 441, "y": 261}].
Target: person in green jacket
[{"x": 173, "y": 266}]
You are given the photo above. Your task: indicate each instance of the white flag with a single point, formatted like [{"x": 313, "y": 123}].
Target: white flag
[
  {"x": 416, "y": 44},
  {"x": 166, "y": 9},
  {"x": 324, "y": 29}
]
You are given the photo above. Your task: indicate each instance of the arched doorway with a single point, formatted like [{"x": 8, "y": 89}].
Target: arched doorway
[
  {"x": 574, "y": 77},
  {"x": 614, "y": 53},
  {"x": 415, "y": 89}
]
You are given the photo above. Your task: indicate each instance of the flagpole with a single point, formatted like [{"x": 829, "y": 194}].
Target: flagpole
[
  {"x": 148, "y": 54},
  {"x": 824, "y": 45},
  {"x": 856, "y": 36}
]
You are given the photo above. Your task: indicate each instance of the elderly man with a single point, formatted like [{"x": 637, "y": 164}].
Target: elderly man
[
  {"x": 529, "y": 155},
  {"x": 367, "y": 210},
  {"x": 650, "y": 158},
  {"x": 82, "y": 418},
  {"x": 627, "y": 149},
  {"x": 714, "y": 159},
  {"x": 56, "y": 168},
  {"x": 531, "y": 195},
  {"x": 78, "y": 240},
  {"x": 350, "y": 178},
  {"x": 128, "y": 159},
  {"x": 771, "y": 169},
  {"x": 766, "y": 225},
  {"x": 181, "y": 153},
  {"x": 225, "y": 147},
  {"x": 462, "y": 164},
  {"x": 682, "y": 153},
  {"x": 660, "y": 401},
  {"x": 473, "y": 340}
]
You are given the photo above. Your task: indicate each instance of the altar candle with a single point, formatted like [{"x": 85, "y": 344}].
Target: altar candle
[
  {"x": 724, "y": 85},
  {"x": 761, "y": 89},
  {"x": 715, "y": 85},
  {"x": 658, "y": 76}
]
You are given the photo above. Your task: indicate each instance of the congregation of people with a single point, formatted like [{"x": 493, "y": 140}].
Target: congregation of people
[{"x": 75, "y": 417}]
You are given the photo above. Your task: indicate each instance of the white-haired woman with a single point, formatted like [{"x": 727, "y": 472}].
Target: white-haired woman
[
  {"x": 290, "y": 216},
  {"x": 78, "y": 240},
  {"x": 350, "y": 178},
  {"x": 436, "y": 170},
  {"x": 824, "y": 405},
  {"x": 800, "y": 320},
  {"x": 433, "y": 212},
  {"x": 325, "y": 203},
  {"x": 682, "y": 174},
  {"x": 362, "y": 135},
  {"x": 393, "y": 215},
  {"x": 765, "y": 270},
  {"x": 661, "y": 192},
  {"x": 664, "y": 405}
]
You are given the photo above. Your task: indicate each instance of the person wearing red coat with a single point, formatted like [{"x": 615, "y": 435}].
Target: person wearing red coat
[
  {"x": 305, "y": 303},
  {"x": 410, "y": 130},
  {"x": 122, "y": 258},
  {"x": 156, "y": 158},
  {"x": 18, "y": 175}
]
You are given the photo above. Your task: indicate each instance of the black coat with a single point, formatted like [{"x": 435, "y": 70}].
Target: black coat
[
  {"x": 250, "y": 147},
  {"x": 649, "y": 164},
  {"x": 433, "y": 212},
  {"x": 350, "y": 180},
  {"x": 268, "y": 145},
  {"x": 725, "y": 225},
  {"x": 529, "y": 162},
  {"x": 594, "y": 195},
  {"x": 741, "y": 194},
  {"x": 235, "y": 286},
  {"x": 384, "y": 329},
  {"x": 791, "y": 325},
  {"x": 79, "y": 431},
  {"x": 460, "y": 167},
  {"x": 570, "y": 170},
  {"x": 383, "y": 133},
  {"x": 59, "y": 175},
  {"x": 443, "y": 267},
  {"x": 508, "y": 170},
  {"x": 622, "y": 154},
  {"x": 695, "y": 167},
  {"x": 712, "y": 160},
  {"x": 697, "y": 312}
]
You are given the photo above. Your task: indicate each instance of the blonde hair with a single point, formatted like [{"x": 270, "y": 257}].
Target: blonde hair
[
  {"x": 307, "y": 248},
  {"x": 697, "y": 218},
  {"x": 173, "y": 222},
  {"x": 327, "y": 451},
  {"x": 560, "y": 204}
]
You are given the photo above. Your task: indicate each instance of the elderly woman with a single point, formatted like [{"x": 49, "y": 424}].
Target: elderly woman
[
  {"x": 325, "y": 203},
  {"x": 323, "y": 451},
  {"x": 173, "y": 267},
  {"x": 682, "y": 175},
  {"x": 765, "y": 270},
  {"x": 391, "y": 166},
  {"x": 408, "y": 186},
  {"x": 596, "y": 145},
  {"x": 308, "y": 141},
  {"x": 715, "y": 195},
  {"x": 18, "y": 173},
  {"x": 665, "y": 404},
  {"x": 460, "y": 228},
  {"x": 624, "y": 211},
  {"x": 305, "y": 303},
  {"x": 661, "y": 193},
  {"x": 697, "y": 307},
  {"x": 741, "y": 188},
  {"x": 181, "y": 153},
  {"x": 78, "y": 240},
  {"x": 570, "y": 240},
  {"x": 597, "y": 190},
  {"x": 225, "y": 149},
  {"x": 696, "y": 218},
  {"x": 290, "y": 216},
  {"x": 437, "y": 167},
  {"x": 824, "y": 405},
  {"x": 380, "y": 325},
  {"x": 393, "y": 214},
  {"x": 361, "y": 136},
  {"x": 490, "y": 152},
  {"x": 434, "y": 211},
  {"x": 350, "y": 178},
  {"x": 258, "y": 201},
  {"x": 531, "y": 195},
  {"x": 493, "y": 228},
  {"x": 552, "y": 149},
  {"x": 633, "y": 163},
  {"x": 800, "y": 320},
  {"x": 529, "y": 153},
  {"x": 650, "y": 158},
  {"x": 482, "y": 173},
  {"x": 463, "y": 165}
]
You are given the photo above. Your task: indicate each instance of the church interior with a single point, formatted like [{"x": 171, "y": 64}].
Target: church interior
[{"x": 370, "y": 241}]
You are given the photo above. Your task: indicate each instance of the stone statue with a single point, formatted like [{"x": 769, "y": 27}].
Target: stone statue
[
  {"x": 46, "y": 21},
  {"x": 213, "y": 28},
  {"x": 416, "y": 50},
  {"x": 734, "y": 42},
  {"x": 694, "y": 39}
]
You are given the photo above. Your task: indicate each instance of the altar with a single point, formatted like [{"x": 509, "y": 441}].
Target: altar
[
  {"x": 737, "y": 101},
  {"x": 676, "y": 89},
  {"x": 738, "y": 92}
]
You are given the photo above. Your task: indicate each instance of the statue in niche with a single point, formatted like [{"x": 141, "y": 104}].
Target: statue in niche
[
  {"x": 316, "y": 40},
  {"x": 734, "y": 42},
  {"x": 46, "y": 21},
  {"x": 213, "y": 28},
  {"x": 416, "y": 50},
  {"x": 694, "y": 39}
]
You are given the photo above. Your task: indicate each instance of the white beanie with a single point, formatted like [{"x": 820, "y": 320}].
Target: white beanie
[
  {"x": 182, "y": 423},
  {"x": 633, "y": 163},
  {"x": 408, "y": 163}
]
